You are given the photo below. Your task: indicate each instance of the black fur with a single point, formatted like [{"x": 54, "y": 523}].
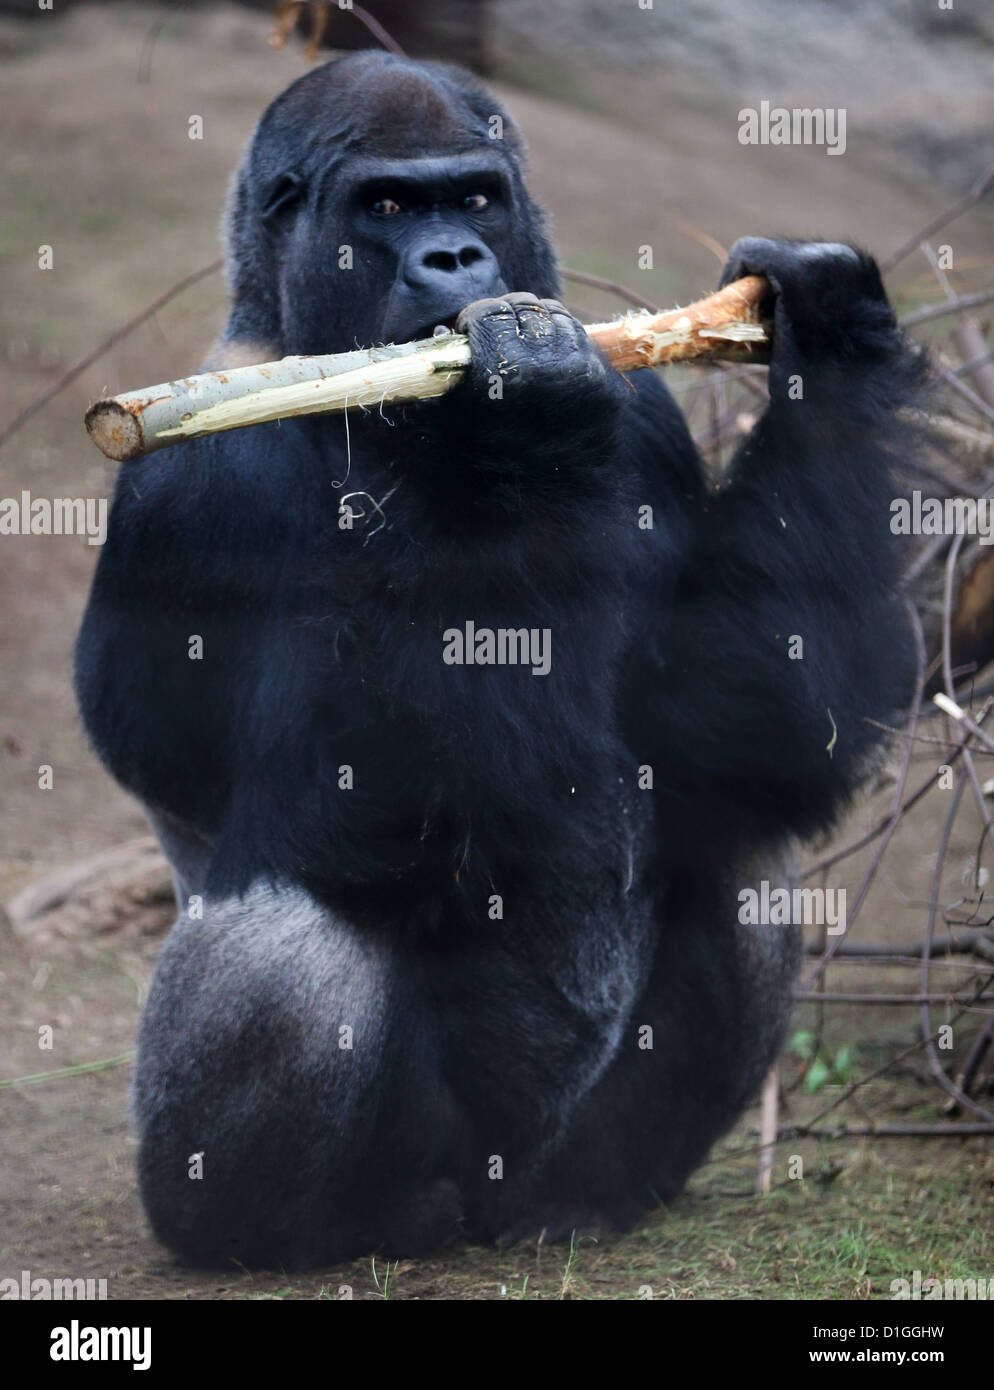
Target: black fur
[{"x": 477, "y": 1037}]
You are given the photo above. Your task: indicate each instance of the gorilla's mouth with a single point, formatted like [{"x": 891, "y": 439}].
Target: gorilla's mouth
[{"x": 400, "y": 332}]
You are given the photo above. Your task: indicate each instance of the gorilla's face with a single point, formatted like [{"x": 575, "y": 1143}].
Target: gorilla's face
[
  {"x": 374, "y": 205},
  {"x": 392, "y": 247},
  {"x": 428, "y": 236}
]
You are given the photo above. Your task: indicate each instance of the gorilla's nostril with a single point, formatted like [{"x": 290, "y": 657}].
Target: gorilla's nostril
[
  {"x": 452, "y": 260},
  {"x": 440, "y": 260}
]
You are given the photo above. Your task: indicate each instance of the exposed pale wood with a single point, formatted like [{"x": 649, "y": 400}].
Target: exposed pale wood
[{"x": 723, "y": 326}]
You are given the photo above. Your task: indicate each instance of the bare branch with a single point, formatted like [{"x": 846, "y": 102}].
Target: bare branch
[{"x": 112, "y": 339}]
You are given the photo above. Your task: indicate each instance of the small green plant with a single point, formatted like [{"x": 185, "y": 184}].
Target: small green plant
[
  {"x": 821, "y": 1067},
  {"x": 384, "y": 1287},
  {"x": 568, "y": 1272}
]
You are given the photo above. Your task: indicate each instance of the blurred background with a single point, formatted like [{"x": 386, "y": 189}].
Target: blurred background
[{"x": 631, "y": 118}]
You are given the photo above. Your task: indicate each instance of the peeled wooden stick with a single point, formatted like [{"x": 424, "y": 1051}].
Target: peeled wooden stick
[{"x": 724, "y": 326}]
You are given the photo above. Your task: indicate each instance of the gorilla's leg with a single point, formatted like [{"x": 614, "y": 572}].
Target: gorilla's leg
[
  {"x": 699, "y": 1041},
  {"x": 529, "y": 1021},
  {"x": 287, "y": 1092},
  {"x": 307, "y": 1092}
]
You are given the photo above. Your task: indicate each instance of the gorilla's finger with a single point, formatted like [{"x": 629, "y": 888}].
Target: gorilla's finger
[{"x": 481, "y": 308}]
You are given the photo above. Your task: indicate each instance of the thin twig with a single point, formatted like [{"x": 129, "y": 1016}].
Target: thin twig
[
  {"x": 977, "y": 1053},
  {"x": 967, "y": 392},
  {"x": 377, "y": 30},
  {"x": 852, "y": 997},
  {"x": 880, "y": 827},
  {"x": 871, "y": 1131},
  {"x": 980, "y": 187},
  {"x": 583, "y": 277},
  {"x": 950, "y": 306},
  {"x": 110, "y": 341},
  {"x": 962, "y": 944}
]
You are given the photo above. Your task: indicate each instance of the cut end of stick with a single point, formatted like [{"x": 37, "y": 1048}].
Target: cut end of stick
[{"x": 115, "y": 430}]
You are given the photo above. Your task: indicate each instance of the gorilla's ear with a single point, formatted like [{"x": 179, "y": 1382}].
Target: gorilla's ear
[{"x": 284, "y": 194}]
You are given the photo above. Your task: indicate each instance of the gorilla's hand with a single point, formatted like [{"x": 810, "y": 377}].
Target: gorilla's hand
[
  {"x": 529, "y": 345},
  {"x": 829, "y": 303},
  {"x": 535, "y": 377}
]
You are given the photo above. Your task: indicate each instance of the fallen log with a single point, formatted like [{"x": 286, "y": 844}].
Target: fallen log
[
  {"x": 725, "y": 326},
  {"x": 127, "y": 886}
]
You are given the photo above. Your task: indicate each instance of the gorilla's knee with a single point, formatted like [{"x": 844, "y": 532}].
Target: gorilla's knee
[{"x": 271, "y": 1071}]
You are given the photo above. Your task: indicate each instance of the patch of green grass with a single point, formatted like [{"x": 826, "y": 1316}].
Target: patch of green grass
[{"x": 804, "y": 1241}]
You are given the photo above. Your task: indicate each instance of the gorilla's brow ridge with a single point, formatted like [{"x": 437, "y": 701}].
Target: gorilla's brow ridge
[{"x": 441, "y": 175}]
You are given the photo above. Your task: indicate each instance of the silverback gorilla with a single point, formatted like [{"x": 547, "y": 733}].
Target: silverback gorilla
[{"x": 458, "y": 948}]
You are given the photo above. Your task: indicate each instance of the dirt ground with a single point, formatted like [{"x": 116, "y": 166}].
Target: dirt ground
[{"x": 100, "y": 167}]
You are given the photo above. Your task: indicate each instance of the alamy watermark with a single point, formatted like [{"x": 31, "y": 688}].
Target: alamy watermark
[
  {"x": 799, "y": 125},
  {"x": 793, "y": 907},
  {"x": 932, "y": 1290},
  {"x": 80, "y": 1342},
  {"x": 943, "y": 516},
  {"x": 54, "y": 516},
  {"x": 24, "y": 1287},
  {"x": 501, "y": 646}
]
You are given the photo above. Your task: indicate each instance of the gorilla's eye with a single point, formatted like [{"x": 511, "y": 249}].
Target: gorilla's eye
[
  {"x": 475, "y": 202},
  {"x": 386, "y": 206}
]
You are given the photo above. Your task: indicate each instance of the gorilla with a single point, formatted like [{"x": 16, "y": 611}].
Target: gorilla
[{"x": 459, "y": 949}]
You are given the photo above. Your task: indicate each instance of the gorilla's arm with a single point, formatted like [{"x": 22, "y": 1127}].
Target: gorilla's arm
[
  {"x": 193, "y": 569},
  {"x": 750, "y": 734}
]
